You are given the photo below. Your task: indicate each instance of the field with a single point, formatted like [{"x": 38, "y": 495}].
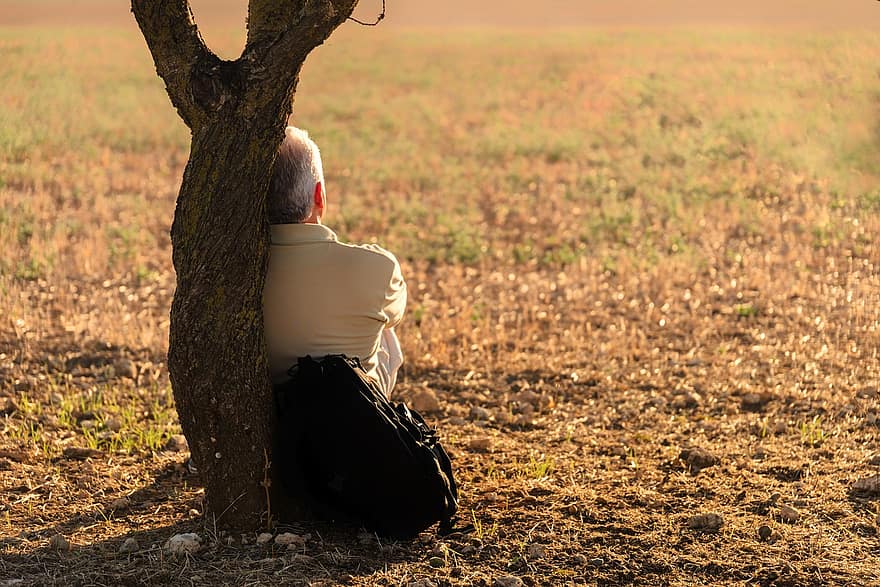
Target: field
[{"x": 644, "y": 304}]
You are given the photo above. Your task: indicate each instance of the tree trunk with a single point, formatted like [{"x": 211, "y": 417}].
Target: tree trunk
[{"x": 236, "y": 111}]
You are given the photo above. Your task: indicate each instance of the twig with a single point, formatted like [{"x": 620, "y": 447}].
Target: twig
[{"x": 378, "y": 18}]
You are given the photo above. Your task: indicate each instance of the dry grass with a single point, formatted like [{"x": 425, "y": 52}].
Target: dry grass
[{"x": 620, "y": 245}]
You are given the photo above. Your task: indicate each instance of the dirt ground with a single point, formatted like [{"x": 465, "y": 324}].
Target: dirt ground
[{"x": 644, "y": 307}]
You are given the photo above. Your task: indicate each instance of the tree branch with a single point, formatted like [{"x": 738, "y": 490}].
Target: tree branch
[
  {"x": 178, "y": 50},
  {"x": 281, "y": 34}
]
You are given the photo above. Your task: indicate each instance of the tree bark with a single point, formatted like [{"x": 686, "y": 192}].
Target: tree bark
[{"x": 236, "y": 111}]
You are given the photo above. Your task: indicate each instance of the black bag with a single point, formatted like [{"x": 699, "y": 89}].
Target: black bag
[{"x": 356, "y": 456}]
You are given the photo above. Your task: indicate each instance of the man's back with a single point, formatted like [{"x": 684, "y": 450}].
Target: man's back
[{"x": 323, "y": 297}]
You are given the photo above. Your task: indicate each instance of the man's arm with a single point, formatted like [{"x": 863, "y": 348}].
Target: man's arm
[{"x": 395, "y": 297}]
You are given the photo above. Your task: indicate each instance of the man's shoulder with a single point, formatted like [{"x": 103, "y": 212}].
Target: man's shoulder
[{"x": 368, "y": 253}]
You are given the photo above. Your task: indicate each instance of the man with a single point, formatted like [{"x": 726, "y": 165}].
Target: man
[{"x": 323, "y": 297}]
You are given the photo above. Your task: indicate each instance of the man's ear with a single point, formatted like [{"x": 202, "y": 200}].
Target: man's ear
[{"x": 319, "y": 196}]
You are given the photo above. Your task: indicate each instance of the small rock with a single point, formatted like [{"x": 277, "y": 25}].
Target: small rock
[
  {"x": 597, "y": 562},
  {"x": 436, "y": 562},
  {"x": 698, "y": 459},
  {"x": 125, "y": 368},
  {"x": 480, "y": 444},
  {"x": 113, "y": 424},
  {"x": 177, "y": 443},
  {"x": 264, "y": 538},
  {"x": 422, "y": 583},
  {"x": 579, "y": 559},
  {"x": 88, "y": 424},
  {"x": 764, "y": 533},
  {"x": 789, "y": 515},
  {"x": 59, "y": 542},
  {"x": 755, "y": 402},
  {"x": 480, "y": 413},
  {"x": 130, "y": 545},
  {"x": 710, "y": 521},
  {"x": 687, "y": 401},
  {"x": 535, "y": 551},
  {"x": 76, "y": 453},
  {"x": 122, "y": 503},
  {"x": 425, "y": 401},
  {"x": 508, "y": 581},
  {"x": 186, "y": 543},
  {"x": 780, "y": 427},
  {"x": 870, "y": 485},
  {"x": 56, "y": 398},
  {"x": 527, "y": 396},
  {"x": 9, "y": 408},
  {"x": 290, "y": 539}
]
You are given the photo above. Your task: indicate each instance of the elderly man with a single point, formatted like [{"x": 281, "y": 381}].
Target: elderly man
[{"x": 323, "y": 297}]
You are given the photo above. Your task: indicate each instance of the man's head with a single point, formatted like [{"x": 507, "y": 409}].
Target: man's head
[{"x": 296, "y": 191}]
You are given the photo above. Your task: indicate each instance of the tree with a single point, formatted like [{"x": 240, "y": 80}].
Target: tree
[{"x": 236, "y": 111}]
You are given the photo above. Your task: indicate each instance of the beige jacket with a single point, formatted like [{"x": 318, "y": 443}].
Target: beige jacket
[{"x": 323, "y": 297}]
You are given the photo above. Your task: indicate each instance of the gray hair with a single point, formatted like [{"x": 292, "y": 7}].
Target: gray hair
[{"x": 297, "y": 171}]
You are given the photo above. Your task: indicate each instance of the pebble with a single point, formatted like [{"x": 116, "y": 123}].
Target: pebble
[
  {"x": 9, "y": 408},
  {"x": 120, "y": 504},
  {"x": 177, "y": 443},
  {"x": 686, "y": 401},
  {"x": 186, "y": 543},
  {"x": 710, "y": 521},
  {"x": 422, "y": 583},
  {"x": 264, "y": 538},
  {"x": 764, "y": 532},
  {"x": 130, "y": 545},
  {"x": 436, "y": 562},
  {"x": 597, "y": 562},
  {"x": 698, "y": 459},
  {"x": 527, "y": 396},
  {"x": 290, "y": 539},
  {"x": 508, "y": 581},
  {"x": 56, "y": 398},
  {"x": 125, "y": 368},
  {"x": 870, "y": 485},
  {"x": 59, "y": 542},
  {"x": 535, "y": 551},
  {"x": 480, "y": 444},
  {"x": 113, "y": 424},
  {"x": 425, "y": 401},
  {"x": 579, "y": 559},
  {"x": 755, "y": 402},
  {"x": 788, "y": 514},
  {"x": 480, "y": 413}
]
